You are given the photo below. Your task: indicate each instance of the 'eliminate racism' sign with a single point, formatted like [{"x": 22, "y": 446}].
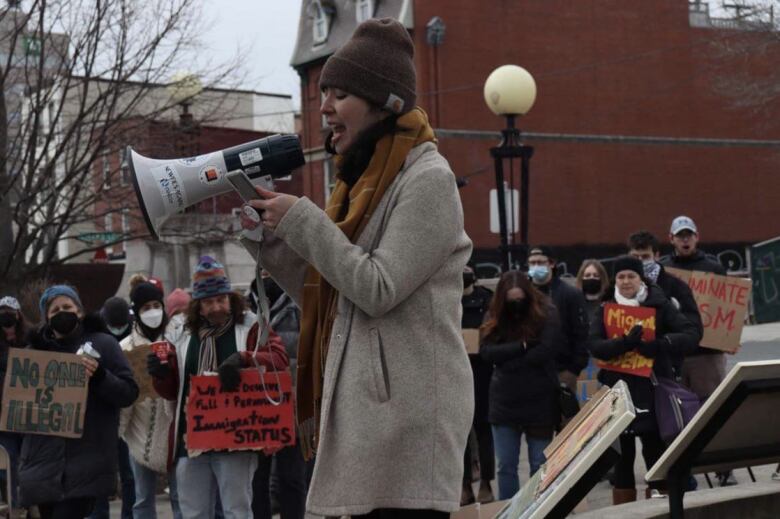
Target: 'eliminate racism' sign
[
  {"x": 247, "y": 419},
  {"x": 44, "y": 392},
  {"x": 618, "y": 320},
  {"x": 723, "y": 302}
]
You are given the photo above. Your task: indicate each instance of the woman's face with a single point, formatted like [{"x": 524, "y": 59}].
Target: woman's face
[
  {"x": 347, "y": 115},
  {"x": 515, "y": 294},
  {"x": 63, "y": 304},
  {"x": 591, "y": 272},
  {"x": 628, "y": 283},
  {"x": 151, "y": 305}
]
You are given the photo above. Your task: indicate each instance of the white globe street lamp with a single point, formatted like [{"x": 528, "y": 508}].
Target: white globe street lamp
[{"x": 510, "y": 91}]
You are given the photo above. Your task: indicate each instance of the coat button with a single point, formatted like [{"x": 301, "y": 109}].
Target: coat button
[{"x": 338, "y": 336}]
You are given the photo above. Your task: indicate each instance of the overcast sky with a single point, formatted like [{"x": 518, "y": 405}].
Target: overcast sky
[{"x": 269, "y": 28}]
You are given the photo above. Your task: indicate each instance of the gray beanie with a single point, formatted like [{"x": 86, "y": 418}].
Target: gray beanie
[{"x": 377, "y": 64}]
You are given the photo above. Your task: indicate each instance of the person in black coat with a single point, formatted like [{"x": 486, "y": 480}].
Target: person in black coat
[
  {"x": 571, "y": 355},
  {"x": 519, "y": 341},
  {"x": 64, "y": 476},
  {"x": 475, "y": 302},
  {"x": 645, "y": 247},
  {"x": 675, "y": 336}
]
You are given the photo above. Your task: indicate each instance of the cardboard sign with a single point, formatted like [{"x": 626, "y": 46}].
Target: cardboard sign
[
  {"x": 137, "y": 360},
  {"x": 240, "y": 420},
  {"x": 44, "y": 392},
  {"x": 618, "y": 320},
  {"x": 723, "y": 303},
  {"x": 471, "y": 339}
]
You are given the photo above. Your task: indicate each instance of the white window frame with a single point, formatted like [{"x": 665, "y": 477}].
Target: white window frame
[
  {"x": 125, "y": 221},
  {"x": 364, "y": 10},
  {"x": 124, "y": 169},
  {"x": 321, "y": 23},
  {"x": 329, "y": 178},
  {"x": 105, "y": 167}
]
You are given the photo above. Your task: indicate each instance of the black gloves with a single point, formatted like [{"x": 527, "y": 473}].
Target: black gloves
[
  {"x": 652, "y": 348},
  {"x": 155, "y": 367},
  {"x": 230, "y": 372},
  {"x": 634, "y": 337}
]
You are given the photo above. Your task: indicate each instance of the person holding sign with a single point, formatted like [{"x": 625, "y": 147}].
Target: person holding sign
[
  {"x": 145, "y": 425},
  {"x": 642, "y": 328},
  {"x": 219, "y": 337},
  {"x": 64, "y": 475},
  {"x": 385, "y": 394},
  {"x": 519, "y": 340}
]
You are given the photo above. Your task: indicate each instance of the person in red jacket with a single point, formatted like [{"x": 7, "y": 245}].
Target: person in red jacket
[{"x": 218, "y": 336}]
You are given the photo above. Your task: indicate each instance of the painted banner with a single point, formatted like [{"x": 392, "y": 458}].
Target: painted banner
[
  {"x": 723, "y": 303},
  {"x": 137, "y": 360},
  {"x": 44, "y": 392},
  {"x": 618, "y": 320},
  {"x": 246, "y": 419}
]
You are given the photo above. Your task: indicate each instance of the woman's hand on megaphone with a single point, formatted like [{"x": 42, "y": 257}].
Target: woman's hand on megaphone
[{"x": 272, "y": 207}]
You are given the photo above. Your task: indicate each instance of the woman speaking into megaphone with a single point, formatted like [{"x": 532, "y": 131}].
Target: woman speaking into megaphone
[{"x": 384, "y": 387}]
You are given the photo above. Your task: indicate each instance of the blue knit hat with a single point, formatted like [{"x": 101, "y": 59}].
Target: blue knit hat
[
  {"x": 209, "y": 279},
  {"x": 55, "y": 291}
]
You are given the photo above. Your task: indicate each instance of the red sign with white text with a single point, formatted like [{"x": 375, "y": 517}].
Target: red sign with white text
[
  {"x": 618, "y": 320},
  {"x": 246, "y": 419}
]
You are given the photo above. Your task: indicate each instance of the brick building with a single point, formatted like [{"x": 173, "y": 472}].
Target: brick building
[{"x": 650, "y": 68}]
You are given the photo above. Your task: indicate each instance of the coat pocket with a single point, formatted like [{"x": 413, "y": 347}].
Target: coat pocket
[{"x": 378, "y": 366}]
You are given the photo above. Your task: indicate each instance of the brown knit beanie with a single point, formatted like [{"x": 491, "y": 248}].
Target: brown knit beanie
[{"x": 377, "y": 64}]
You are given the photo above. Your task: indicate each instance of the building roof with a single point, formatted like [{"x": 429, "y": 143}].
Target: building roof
[{"x": 343, "y": 21}]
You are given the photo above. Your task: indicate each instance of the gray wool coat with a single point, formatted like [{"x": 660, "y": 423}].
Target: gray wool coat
[{"x": 398, "y": 397}]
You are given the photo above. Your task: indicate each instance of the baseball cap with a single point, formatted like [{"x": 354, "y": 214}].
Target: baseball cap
[{"x": 682, "y": 223}]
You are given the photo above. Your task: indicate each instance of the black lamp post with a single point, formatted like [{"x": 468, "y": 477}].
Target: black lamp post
[{"x": 510, "y": 91}]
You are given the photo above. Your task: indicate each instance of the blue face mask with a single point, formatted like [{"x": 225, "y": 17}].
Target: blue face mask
[{"x": 538, "y": 273}]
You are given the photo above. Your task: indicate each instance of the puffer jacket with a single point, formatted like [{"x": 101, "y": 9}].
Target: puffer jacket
[
  {"x": 53, "y": 468},
  {"x": 676, "y": 333},
  {"x": 524, "y": 386}
]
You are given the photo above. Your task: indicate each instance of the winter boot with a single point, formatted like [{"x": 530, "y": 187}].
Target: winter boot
[{"x": 623, "y": 495}]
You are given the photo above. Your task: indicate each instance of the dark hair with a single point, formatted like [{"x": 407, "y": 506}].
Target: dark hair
[
  {"x": 496, "y": 327},
  {"x": 20, "y": 329},
  {"x": 195, "y": 320},
  {"x": 601, "y": 270},
  {"x": 642, "y": 240}
]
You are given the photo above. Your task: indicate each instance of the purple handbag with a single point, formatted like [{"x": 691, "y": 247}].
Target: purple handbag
[{"x": 675, "y": 406}]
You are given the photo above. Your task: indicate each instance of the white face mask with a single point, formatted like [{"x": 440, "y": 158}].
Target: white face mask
[{"x": 152, "y": 318}]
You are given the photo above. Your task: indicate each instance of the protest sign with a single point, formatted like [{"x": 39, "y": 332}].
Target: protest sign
[
  {"x": 246, "y": 419},
  {"x": 618, "y": 320},
  {"x": 44, "y": 392},
  {"x": 137, "y": 360},
  {"x": 723, "y": 302}
]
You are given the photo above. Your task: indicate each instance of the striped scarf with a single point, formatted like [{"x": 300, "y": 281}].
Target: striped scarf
[
  {"x": 207, "y": 358},
  {"x": 319, "y": 297}
]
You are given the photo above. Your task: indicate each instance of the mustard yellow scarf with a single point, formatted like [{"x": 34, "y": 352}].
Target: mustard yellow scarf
[{"x": 319, "y": 298}]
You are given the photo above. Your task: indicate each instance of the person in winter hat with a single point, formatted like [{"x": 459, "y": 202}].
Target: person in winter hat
[
  {"x": 366, "y": 273},
  {"x": 64, "y": 476},
  {"x": 219, "y": 336},
  {"x": 675, "y": 337},
  {"x": 145, "y": 425}
]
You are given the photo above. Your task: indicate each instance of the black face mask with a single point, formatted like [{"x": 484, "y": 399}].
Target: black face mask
[
  {"x": 7, "y": 320},
  {"x": 468, "y": 279},
  {"x": 516, "y": 308},
  {"x": 591, "y": 286},
  {"x": 272, "y": 290},
  {"x": 64, "y": 322}
]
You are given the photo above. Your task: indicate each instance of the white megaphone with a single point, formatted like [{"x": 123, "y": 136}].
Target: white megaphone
[{"x": 167, "y": 187}]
